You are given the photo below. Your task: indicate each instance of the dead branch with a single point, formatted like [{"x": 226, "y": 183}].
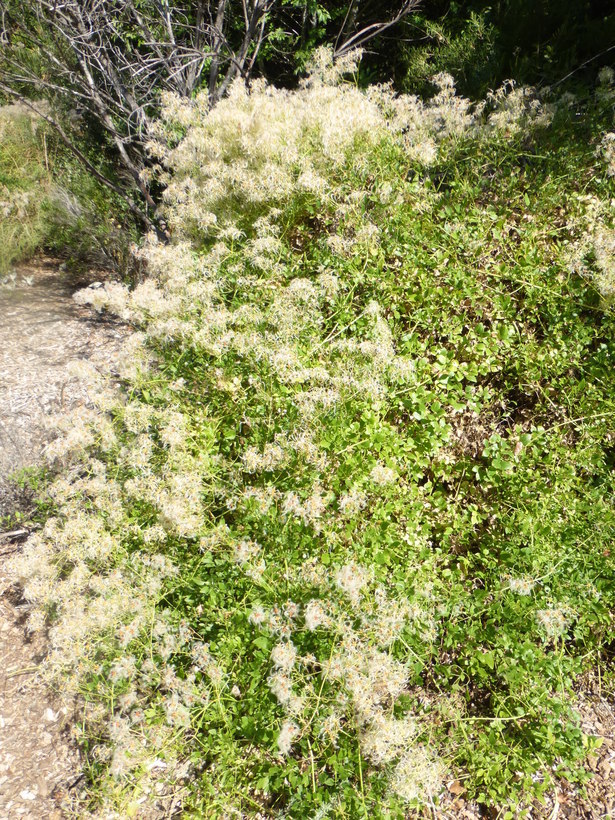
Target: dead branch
[
  {"x": 369, "y": 32},
  {"x": 110, "y": 61}
]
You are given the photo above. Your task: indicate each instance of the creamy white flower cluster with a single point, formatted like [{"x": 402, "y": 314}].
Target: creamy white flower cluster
[{"x": 366, "y": 678}]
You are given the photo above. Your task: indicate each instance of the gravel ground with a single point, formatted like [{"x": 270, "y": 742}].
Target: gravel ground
[
  {"x": 41, "y": 330},
  {"x": 39, "y": 763}
]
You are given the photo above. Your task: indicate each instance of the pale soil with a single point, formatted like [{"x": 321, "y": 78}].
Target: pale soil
[
  {"x": 39, "y": 762},
  {"x": 41, "y": 330}
]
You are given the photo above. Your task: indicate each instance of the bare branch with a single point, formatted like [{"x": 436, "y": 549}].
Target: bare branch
[
  {"x": 373, "y": 30},
  {"x": 217, "y": 45},
  {"x": 111, "y": 60}
]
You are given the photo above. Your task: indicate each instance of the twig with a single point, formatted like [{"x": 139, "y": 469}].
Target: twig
[
  {"x": 28, "y": 670},
  {"x": 75, "y": 781},
  {"x": 578, "y": 68},
  {"x": 14, "y": 534}
]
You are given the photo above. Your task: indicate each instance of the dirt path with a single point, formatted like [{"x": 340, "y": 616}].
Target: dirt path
[{"x": 41, "y": 330}]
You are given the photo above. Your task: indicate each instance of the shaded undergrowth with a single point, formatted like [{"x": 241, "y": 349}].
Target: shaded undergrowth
[{"x": 49, "y": 203}]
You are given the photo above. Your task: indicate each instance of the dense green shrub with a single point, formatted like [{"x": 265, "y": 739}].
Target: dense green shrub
[{"x": 345, "y": 535}]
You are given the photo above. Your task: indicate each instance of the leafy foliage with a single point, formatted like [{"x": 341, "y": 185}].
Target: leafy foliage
[
  {"x": 22, "y": 173},
  {"x": 49, "y": 202},
  {"x": 483, "y": 44},
  {"x": 347, "y": 532}
]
